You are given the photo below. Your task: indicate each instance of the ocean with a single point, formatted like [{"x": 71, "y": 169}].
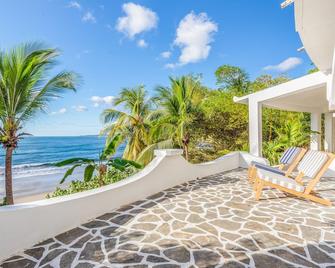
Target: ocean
[{"x": 33, "y": 172}]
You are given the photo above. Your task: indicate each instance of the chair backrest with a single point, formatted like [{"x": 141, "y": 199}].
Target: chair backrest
[
  {"x": 289, "y": 155},
  {"x": 312, "y": 163}
]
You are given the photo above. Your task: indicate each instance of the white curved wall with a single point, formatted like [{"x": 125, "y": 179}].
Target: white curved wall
[{"x": 23, "y": 225}]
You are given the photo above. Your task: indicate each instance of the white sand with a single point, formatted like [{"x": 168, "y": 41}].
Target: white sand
[{"x": 29, "y": 198}]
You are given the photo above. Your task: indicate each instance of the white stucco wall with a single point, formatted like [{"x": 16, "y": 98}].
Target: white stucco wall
[{"x": 23, "y": 225}]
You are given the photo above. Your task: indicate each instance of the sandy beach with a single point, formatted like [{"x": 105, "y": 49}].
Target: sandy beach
[
  {"x": 36, "y": 187},
  {"x": 30, "y": 198}
]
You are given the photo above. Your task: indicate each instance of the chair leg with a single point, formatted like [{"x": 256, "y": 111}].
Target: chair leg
[
  {"x": 249, "y": 173},
  {"x": 317, "y": 199},
  {"x": 252, "y": 174},
  {"x": 259, "y": 189},
  {"x": 255, "y": 186}
]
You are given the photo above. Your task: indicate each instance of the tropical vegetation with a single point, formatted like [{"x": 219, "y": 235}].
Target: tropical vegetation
[
  {"x": 106, "y": 170},
  {"x": 98, "y": 169},
  {"x": 203, "y": 121},
  {"x": 131, "y": 122},
  {"x": 206, "y": 123},
  {"x": 111, "y": 176},
  {"x": 26, "y": 88}
]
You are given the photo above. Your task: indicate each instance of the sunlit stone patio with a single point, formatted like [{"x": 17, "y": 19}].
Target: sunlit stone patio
[{"x": 209, "y": 222}]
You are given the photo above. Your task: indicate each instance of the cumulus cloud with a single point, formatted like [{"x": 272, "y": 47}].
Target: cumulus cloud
[
  {"x": 88, "y": 17},
  {"x": 166, "y": 54},
  {"x": 97, "y": 100},
  {"x": 194, "y": 36},
  {"x": 74, "y": 4},
  {"x": 142, "y": 43},
  {"x": 137, "y": 19},
  {"x": 284, "y": 66},
  {"x": 60, "y": 111},
  {"x": 80, "y": 108}
]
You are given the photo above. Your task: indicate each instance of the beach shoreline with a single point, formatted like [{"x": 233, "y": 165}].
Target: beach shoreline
[{"x": 36, "y": 187}]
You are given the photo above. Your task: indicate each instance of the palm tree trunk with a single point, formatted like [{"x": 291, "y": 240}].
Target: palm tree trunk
[
  {"x": 186, "y": 151},
  {"x": 186, "y": 141},
  {"x": 8, "y": 176}
]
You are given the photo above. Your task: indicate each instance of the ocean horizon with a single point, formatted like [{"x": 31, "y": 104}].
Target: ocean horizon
[{"x": 33, "y": 169}]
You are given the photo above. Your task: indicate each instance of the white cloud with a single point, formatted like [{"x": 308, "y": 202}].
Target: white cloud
[
  {"x": 97, "y": 100},
  {"x": 170, "y": 66},
  {"x": 74, "y": 4},
  {"x": 80, "y": 108},
  {"x": 194, "y": 36},
  {"x": 166, "y": 54},
  {"x": 60, "y": 111},
  {"x": 138, "y": 19},
  {"x": 89, "y": 17},
  {"x": 142, "y": 43},
  {"x": 284, "y": 66}
]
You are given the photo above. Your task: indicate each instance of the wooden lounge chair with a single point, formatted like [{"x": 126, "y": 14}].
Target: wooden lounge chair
[
  {"x": 287, "y": 163},
  {"x": 312, "y": 167}
]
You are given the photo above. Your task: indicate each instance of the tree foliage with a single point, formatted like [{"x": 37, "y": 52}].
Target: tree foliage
[
  {"x": 177, "y": 106},
  {"x": 131, "y": 120},
  {"x": 26, "y": 88},
  {"x": 232, "y": 78}
]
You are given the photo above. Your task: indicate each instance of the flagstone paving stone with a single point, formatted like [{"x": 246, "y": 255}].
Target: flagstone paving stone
[{"x": 209, "y": 222}]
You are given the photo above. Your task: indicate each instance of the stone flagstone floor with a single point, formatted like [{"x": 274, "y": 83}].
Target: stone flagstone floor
[{"x": 208, "y": 222}]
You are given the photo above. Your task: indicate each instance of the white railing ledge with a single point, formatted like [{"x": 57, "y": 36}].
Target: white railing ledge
[{"x": 168, "y": 152}]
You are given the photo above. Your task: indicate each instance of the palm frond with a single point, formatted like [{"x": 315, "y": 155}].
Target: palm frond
[
  {"x": 111, "y": 147},
  {"x": 148, "y": 153}
]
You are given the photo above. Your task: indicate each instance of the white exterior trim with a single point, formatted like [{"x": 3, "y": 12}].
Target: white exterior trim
[
  {"x": 315, "y": 126},
  {"x": 255, "y": 128},
  {"x": 301, "y": 84},
  {"x": 328, "y": 143}
]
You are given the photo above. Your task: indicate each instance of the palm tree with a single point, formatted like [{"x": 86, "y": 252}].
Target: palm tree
[
  {"x": 131, "y": 119},
  {"x": 25, "y": 89},
  {"x": 178, "y": 104}
]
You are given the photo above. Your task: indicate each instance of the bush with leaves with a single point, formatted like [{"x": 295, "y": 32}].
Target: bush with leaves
[
  {"x": 111, "y": 176},
  {"x": 97, "y": 173},
  {"x": 295, "y": 131}
]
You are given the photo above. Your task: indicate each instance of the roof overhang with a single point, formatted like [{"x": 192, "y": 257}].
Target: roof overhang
[
  {"x": 315, "y": 23},
  {"x": 304, "y": 94}
]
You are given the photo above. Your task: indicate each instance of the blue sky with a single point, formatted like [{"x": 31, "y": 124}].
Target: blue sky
[{"x": 116, "y": 44}]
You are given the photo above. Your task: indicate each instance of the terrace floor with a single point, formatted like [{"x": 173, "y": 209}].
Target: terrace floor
[{"x": 208, "y": 222}]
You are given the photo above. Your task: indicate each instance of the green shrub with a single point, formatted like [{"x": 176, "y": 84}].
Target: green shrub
[{"x": 76, "y": 186}]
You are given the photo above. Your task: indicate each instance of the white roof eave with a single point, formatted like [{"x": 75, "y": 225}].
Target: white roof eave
[{"x": 306, "y": 82}]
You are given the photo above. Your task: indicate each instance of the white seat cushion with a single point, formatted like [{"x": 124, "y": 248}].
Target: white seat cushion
[{"x": 280, "y": 180}]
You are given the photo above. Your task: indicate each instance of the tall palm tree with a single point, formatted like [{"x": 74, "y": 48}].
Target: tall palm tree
[
  {"x": 131, "y": 119},
  {"x": 25, "y": 89},
  {"x": 178, "y": 104}
]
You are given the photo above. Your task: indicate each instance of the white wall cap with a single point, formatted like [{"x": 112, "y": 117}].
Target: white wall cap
[{"x": 168, "y": 152}]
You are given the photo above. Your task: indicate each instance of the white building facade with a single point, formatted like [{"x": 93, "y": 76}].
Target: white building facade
[{"x": 313, "y": 93}]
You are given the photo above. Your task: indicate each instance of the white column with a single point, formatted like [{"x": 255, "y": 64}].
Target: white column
[
  {"x": 255, "y": 128},
  {"x": 331, "y": 86},
  {"x": 316, "y": 126},
  {"x": 328, "y": 132}
]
